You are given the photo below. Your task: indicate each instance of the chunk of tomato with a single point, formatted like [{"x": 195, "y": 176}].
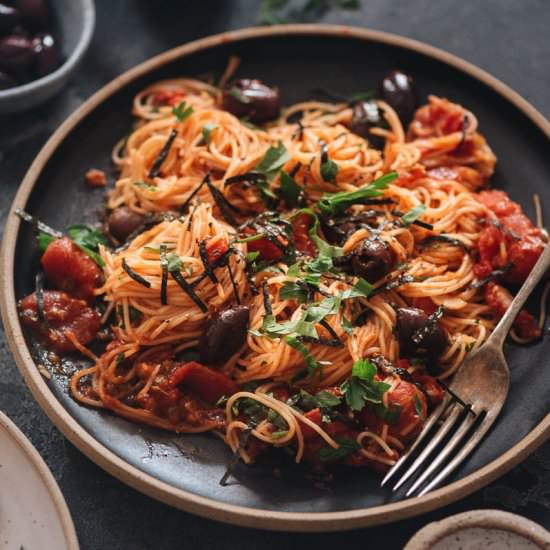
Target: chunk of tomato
[
  {"x": 204, "y": 382},
  {"x": 70, "y": 269},
  {"x": 62, "y": 315}
]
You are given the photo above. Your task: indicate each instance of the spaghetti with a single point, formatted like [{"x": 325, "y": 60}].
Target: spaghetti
[{"x": 329, "y": 263}]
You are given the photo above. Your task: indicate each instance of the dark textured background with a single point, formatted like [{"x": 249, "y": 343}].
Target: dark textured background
[{"x": 509, "y": 38}]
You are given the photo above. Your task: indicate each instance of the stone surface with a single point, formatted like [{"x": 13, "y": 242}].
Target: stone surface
[{"x": 507, "y": 38}]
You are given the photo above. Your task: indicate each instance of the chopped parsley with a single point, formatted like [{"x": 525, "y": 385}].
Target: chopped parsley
[
  {"x": 336, "y": 203},
  {"x": 182, "y": 111},
  {"x": 413, "y": 214},
  {"x": 207, "y": 131},
  {"x": 347, "y": 445},
  {"x": 362, "y": 388}
]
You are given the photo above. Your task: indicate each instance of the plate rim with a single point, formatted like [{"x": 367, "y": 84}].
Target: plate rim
[
  {"x": 49, "y": 481},
  {"x": 160, "y": 490}
]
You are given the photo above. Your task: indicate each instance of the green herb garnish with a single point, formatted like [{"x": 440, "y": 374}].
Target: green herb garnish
[
  {"x": 333, "y": 203},
  {"x": 362, "y": 388},
  {"x": 346, "y": 447},
  {"x": 413, "y": 214},
  {"x": 207, "y": 131},
  {"x": 182, "y": 111}
]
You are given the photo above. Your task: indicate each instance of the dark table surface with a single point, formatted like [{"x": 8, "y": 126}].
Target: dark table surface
[{"x": 508, "y": 38}]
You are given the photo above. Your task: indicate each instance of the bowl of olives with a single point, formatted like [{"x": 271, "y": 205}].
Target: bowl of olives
[{"x": 41, "y": 44}]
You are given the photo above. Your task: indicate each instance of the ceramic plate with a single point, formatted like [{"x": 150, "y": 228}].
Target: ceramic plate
[
  {"x": 184, "y": 470},
  {"x": 32, "y": 508}
]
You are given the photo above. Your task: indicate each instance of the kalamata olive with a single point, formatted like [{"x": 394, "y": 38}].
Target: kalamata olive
[
  {"x": 251, "y": 99},
  {"x": 47, "y": 53},
  {"x": 8, "y": 17},
  {"x": 34, "y": 13},
  {"x": 122, "y": 222},
  {"x": 398, "y": 90},
  {"x": 372, "y": 260},
  {"x": 418, "y": 334},
  {"x": 15, "y": 51},
  {"x": 367, "y": 115},
  {"x": 6, "y": 81},
  {"x": 224, "y": 335}
]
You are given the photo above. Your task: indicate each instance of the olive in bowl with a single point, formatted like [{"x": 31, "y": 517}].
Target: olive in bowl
[{"x": 41, "y": 44}]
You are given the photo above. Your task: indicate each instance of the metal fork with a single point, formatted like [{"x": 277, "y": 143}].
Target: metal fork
[{"x": 477, "y": 394}]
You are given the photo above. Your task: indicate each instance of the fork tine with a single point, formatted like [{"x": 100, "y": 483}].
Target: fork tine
[
  {"x": 444, "y": 429},
  {"x": 481, "y": 429},
  {"x": 435, "y": 416},
  {"x": 455, "y": 440}
]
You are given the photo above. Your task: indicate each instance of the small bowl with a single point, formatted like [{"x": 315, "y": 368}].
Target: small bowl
[
  {"x": 75, "y": 21},
  {"x": 480, "y": 529}
]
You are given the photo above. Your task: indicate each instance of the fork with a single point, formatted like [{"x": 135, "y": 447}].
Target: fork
[{"x": 458, "y": 424}]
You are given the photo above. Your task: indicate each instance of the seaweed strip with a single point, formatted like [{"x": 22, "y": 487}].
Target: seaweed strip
[
  {"x": 188, "y": 289},
  {"x": 133, "y": 275},
  {"x": 155, "y": 168},
  {"x": 164, "y": 280}
]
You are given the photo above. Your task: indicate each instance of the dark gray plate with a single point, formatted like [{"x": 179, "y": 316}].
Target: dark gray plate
[{"x": 345, "y": 62}]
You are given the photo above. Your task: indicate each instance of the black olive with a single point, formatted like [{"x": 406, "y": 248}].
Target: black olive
[
  {"x": 398, "y": 90},
  {"x": 15, "y": 51},
  {"x": 8, "y": 17},
  {"x": 6, "y": 81},
  {"x": 251, "y": 99},
  {"x": 372, "y": 260},
  {"x": 224, "y": 335},
  {"x": 367, "y": 115},
  {"x": 122, "y": 222},
  {"x": 48, "y": 56},
  {"x": 411, "y": 320},
  {"x": 34, "y": 13}
]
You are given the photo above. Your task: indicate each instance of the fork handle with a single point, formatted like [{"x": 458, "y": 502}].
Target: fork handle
[{"x": 505, "y": 324}]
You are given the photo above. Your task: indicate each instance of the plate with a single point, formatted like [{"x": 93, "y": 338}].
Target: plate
[
  {"x": 184, "y": 471},
  {"x": 32, "y": 508}
]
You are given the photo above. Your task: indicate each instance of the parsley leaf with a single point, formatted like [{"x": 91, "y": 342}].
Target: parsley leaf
[
  {"x": 362, "y": 388},
  {"x": 329, "y": 170},
  {"x": 44, "y": 240},
  {"x": 238, "y": 94},
  {"x": 251, "y": 256},
  {"x": 311, "y": 362},
  {"x": 332, "y": 203},
  {"x": 174, "y": 262},
  {"x": 299, "y": 327},
  {"x": 294, "y": 291},
  {"x": 322, "y": 400},
  {"x": 144, "y": 185},
  {"x": 347, "y": 446},
  {"x": 413, "y": 214},
  {"x": 88, "y": 240},
  {"x": 206, "y": 131},
  {"x": 290, "y": 190},
  {"x": 346, "y": 325},
  {"x": 273, "y": 160},
  {"x": 182, "y": 111},
  {"x": 417, "y": 405}
]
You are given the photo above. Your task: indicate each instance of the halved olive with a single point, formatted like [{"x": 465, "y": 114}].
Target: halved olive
[
  {"x": 399, "y": 91},
  {"x": 48, "y": 56},
  {"x": 224, "y": 335},
  {"x": 252, "y": 99},
  {"x": 418, "y": 334},
  {"x": 365, "y": 116},
  {"x": 15, "y": 52},
  {"x": 122, "y": 222}
]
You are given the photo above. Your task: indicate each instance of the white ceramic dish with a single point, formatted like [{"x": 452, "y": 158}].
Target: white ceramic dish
[
  {"x": 479, "y": 530},
  {"x": 33, "y": 513}
]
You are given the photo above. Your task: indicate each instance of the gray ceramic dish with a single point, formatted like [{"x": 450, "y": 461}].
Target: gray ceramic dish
[{"x": 75, "y": 20}]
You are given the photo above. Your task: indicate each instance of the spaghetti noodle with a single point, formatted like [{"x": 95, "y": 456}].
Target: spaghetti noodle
[{"x": 327, "y": 283}]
